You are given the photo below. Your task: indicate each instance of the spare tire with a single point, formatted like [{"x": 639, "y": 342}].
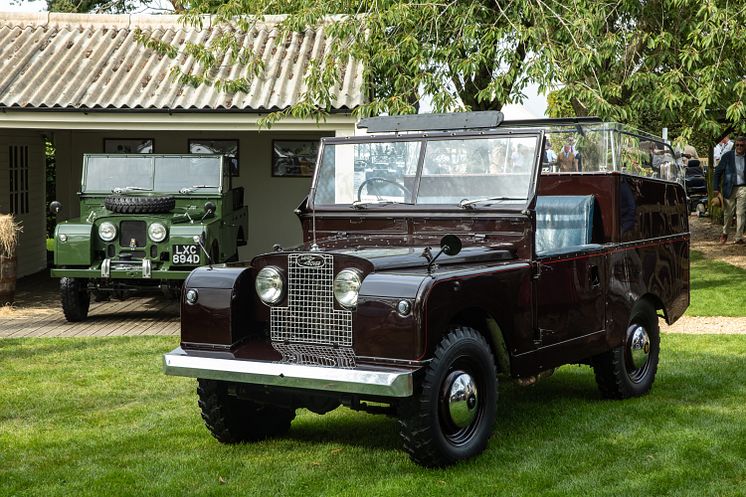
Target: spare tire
[{"x": 139, "y": 205}]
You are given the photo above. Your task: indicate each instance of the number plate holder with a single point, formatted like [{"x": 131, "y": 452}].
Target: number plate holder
[{"x": 185, "y": 254}]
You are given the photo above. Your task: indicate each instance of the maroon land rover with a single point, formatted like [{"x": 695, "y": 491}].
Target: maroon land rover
[{"x": 442, "y": 252}]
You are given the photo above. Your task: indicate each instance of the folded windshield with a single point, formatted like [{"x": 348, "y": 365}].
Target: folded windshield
[
  {"x": 151, "y": 173},
  {"x": 434, "y": 171}
]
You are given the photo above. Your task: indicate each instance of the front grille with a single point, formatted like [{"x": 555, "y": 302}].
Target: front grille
[
  {"x": 316, "y": 355},
  {"x": 130, "y": 230},
  {"x": 310, "y": 316}
]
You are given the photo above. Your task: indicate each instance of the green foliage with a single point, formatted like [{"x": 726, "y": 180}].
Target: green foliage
[
  {"x": 83, "y": 6},
  {"x": 467, "y": 55},
  {"x": 50, "y": 183},
  {"x": 97, "y": 417},
  {"x": 673, "y": 63}
]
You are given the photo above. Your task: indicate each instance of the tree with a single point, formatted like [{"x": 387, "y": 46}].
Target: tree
[
  {"x": 472, "y": 55},
  {"x": 672, "y": 63},
  {"x": 648, "y": 63},
  {"x": 111, "y": 6}
]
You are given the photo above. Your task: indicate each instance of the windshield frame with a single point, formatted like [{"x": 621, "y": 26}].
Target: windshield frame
[
  {"x": 224, "y": 178},
  {"x": 424, "y": 139}
]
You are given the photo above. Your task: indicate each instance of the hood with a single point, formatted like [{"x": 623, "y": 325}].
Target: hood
[{"x": 411, "y": 257}]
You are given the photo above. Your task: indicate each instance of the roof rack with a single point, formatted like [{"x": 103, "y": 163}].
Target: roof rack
[
  {"x": 433, "y": 122},
  {"x": 462, "y": 121},
  {"x": 555, "y": 121}
]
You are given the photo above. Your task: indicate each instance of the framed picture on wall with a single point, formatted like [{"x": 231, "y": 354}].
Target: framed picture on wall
[
  {"x": 228, "y": 148},
  {"x": 294, "y": 157},
  {"x": 128, "y": 145}
]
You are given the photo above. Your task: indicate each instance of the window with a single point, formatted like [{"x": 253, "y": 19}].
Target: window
[{"x": 18, "y": 160}]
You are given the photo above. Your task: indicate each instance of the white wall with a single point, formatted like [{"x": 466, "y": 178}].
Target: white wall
[
  {"x": 271, "y": 200},
  {"x": 32, "y": 254}
]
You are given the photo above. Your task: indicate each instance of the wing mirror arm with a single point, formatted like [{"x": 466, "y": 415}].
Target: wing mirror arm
[
  {"x": 449, "y": 245},
  {"x": 210, "y": 208}
]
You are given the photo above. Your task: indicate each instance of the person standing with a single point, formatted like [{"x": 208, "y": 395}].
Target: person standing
[
  {"x": 732, "y": 171},
  {"x": 725, "y": 145},
  {"x": 566, "y": 161}
]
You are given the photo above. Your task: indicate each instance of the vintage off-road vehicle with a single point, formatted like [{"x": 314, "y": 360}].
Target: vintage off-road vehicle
[
  {"x": 415, "y": 289},
  {"x": 145, "y": 222}
]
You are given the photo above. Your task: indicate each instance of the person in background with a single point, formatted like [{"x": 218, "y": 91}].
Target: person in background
[
  {"x": 725, "y": 145},
  {"x": 549, "y": 156},
  {"x": 566, "y": 161},
  {"x": 732, "y": 171}
]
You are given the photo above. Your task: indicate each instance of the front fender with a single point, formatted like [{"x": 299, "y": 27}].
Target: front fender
[
  {"x": 221, "y": 317},
  {"x": 76, "y": 249}
]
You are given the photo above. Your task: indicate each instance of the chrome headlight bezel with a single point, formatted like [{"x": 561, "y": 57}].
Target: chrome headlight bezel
[
  {"x": 270, "y": 285},
  {"x": 107, "y": 231},
  {"x": 157, "y": 232},
  {"x": 347, "y": 287}
]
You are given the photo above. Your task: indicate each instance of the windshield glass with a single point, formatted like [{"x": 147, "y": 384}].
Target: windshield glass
[
  {"x": 171, "y": 174},
  {"x": 453, "y": 171}
]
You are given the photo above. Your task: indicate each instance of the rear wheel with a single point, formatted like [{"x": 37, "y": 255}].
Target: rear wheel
[
  {"x": 233, "y": 420},
  {"x": 629, "y": 370},
  {"x": 75, "y": 298},
  {"x": 452, "y": 417}
]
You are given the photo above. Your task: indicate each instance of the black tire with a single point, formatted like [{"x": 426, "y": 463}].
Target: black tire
[
  {"x": 139, "y": 205},
  {"x": 428, "y": 430},
  {"x": 616, "y": 374},
  {"x": 232, "y": 420},
  {"x": 75, "y": 298}
]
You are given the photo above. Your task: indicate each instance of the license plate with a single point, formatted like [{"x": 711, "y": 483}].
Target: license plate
[{"x": 185, "y": 254}]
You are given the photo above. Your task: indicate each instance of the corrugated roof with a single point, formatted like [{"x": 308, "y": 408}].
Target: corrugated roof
[{"x": 87, "y": 61}]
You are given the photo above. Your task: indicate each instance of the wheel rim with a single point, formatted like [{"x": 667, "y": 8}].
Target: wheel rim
[
  {"x": 638, "y": 352},
  {"x": 461, "y": 408}
]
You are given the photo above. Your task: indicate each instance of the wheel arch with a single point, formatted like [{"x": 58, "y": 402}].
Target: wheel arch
[
  {"x": 488, "y": 326},
  {"x": 656, "y": 302}
]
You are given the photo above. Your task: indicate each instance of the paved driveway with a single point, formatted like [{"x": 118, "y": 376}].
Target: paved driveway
[{"x": 37, "y": 313}]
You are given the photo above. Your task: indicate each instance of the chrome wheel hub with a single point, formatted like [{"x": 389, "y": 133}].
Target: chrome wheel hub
[
  {"x": 638, "y": 344},
  {"x": 462, "y": 399}
]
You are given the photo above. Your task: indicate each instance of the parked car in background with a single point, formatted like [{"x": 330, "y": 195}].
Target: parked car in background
[
  {"x": 414, "y": 291},
  {"x": 145, "y": 222}
]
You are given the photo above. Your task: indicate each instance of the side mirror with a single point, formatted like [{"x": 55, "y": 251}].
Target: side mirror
[
  {"x": 54, "y": 207},
  {"x": 450, "y": 245},
  {"x": 210, "y": 208}
]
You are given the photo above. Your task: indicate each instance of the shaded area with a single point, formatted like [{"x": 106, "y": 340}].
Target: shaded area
[{"x": 38, "y": 313}]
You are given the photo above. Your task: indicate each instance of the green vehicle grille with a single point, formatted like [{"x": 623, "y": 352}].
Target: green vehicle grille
[{"x": 132, "y": 230}]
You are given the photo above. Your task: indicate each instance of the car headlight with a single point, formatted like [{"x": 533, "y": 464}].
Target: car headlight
[
  {"x": 107, "y": 231},
  {"x": 347, "y": 286},
  {"x": 269, "y": 285},
  {"x": 157, "y": 232}
]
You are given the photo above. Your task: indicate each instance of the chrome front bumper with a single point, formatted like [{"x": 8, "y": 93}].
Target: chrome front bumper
[{"x": 387, "y": 382}]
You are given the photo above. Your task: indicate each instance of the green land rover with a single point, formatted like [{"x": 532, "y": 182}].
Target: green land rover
[{"x": 145, "y": 222}]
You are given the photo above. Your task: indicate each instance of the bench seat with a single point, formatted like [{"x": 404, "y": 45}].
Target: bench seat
[{"x": 564, "y": 224}]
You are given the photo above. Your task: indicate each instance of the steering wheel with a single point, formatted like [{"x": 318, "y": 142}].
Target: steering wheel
[{"x": 380, "y": 180}]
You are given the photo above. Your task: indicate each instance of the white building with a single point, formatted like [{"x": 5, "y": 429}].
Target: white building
[{"x": 86, "y": 84}]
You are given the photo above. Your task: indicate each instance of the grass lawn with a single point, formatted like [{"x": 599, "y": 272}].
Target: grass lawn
[
  {"x": 96, "y": 417},
  {"x": 718, "y": 288}
]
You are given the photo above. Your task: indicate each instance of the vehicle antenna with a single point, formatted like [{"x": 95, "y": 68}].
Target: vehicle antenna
[{"x": 312, "y": 198}]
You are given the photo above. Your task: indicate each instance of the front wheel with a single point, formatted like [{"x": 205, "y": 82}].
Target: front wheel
[
  {"x": 629, "y": 370},
  {"x": 232, "y": 420},
  {"x": 452, "y": 416},
  {"x": 75, "y": 298}
]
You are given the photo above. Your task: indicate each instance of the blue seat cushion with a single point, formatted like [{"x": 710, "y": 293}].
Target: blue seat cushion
[{"x": 563, "y": 222}]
